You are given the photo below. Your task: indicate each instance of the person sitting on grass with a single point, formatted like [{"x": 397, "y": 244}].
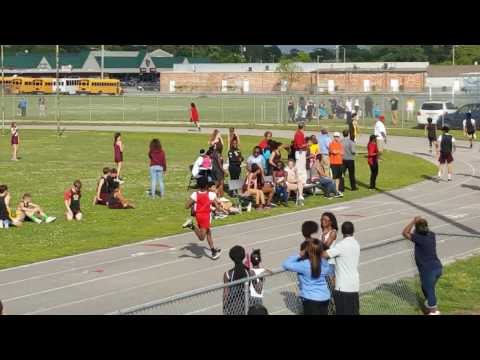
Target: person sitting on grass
[
  {"x": 117, "y": 201},
  {"x": 253, "y": 186},
  {"x": 5, "y": 216},
  {"x": 28, "y": 210},
  {"x": 102, "y": 193},
  {"x": 72, "y": 198},
  {"x": 320, "y": 178},
  {"x": 280, "y": 181}
]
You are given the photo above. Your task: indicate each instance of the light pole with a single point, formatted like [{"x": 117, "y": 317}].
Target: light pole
[
  {"x": 103, "y": 61},
  {"x": 57, "y": 88},
  {"x": 3, "y": 94},
  {"x": 453, "y": 54},
  {"x": 344, "y": 55}
]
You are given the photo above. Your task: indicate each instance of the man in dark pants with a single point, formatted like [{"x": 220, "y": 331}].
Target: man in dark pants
[
  {"x": 348, "y": 159},
  {"x": 368, "y": 107},
  {"x": 346, "y": 254}
]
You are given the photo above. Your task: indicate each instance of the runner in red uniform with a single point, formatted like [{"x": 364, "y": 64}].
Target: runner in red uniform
[
  {"x": 201, "y": 201},
  {"x": 72, "y": 201},
  {"x": 194, "y": 116}
]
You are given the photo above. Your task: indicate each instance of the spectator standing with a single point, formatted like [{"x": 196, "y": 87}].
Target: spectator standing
[
  {"x": 256, "y": 286},
  {"x": 381, "y": 132},
  {"x": 300, "y": 146},
  {"x": 349, "y": 110},
  {"x": 410, "y": 107},
  {"x": 426, "y": 259},
  {"x": 313, "y": 272},
  {"x": 369, "y": 107},
  {"x": 158, "y": 167},
  {"x": 333, "y": 107},
  {"x": 329, "y": 226},
  {"x": 354, "y": 129},
  {"x": 233, "y": 135},
  {"x": 469, "y": 128},
  {"x": 336, "y": 152},
  {"x": 215, "y": 138},
  {"x": 118, "y": 153},
  {"x": 377, "y": 112},
  {"x": 22, "y": 105},
  {"x": 373, "y": 154},
  {"x": 291, "y": 111},
  {"x": 266, "y": 138},
  {"x": 346, "y": 254},
  {"x": 349, "y": 159},
  {"x": 446, "y": 142},
  {"x": 42, "y": 107},
  {"x": 394, "y": 109},
  {"x": 235, "y": 160},
  {"x": 356, "y": 106},
  {"x": 324, "y": 142},
  {"x": 194, "y": 116},
  {"x": 234, "y": 296},
  {"x": 218, "y": 173},
  {"x": 14, "y": 141},
  {"x": 431, "y": 133}
]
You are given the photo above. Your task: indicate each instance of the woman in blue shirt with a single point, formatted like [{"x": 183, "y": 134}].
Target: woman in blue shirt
[{"x": 313, "y": 272}]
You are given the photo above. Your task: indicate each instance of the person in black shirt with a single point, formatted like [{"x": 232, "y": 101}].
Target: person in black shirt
[
  {"x": 394, "y": 108},
  {"x": 426, "y": 259},
  {"x": 235, "y": 160},
  {"x": 431, "y": 133},
  {"x": 72, "y": 201},
  {"x": 446, "y": 147}
]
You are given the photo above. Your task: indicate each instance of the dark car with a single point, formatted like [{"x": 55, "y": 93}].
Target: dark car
[{"x": 455, "y": 120}]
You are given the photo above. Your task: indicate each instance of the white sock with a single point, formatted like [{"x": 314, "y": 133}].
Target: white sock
[{"x": 450, "y": 176}]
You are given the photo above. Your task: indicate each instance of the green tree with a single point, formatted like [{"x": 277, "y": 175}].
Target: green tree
[
  {"x": 399, "y": 53},
  {"x": 289, "y": 71},
  {"x": 467, "y": 54}
]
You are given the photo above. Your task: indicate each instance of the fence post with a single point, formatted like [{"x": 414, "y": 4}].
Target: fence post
[
  {"x": 90, "y": 107},
  {"x": 156, "y": 107},
  {"x": 247, "y": 297},
  {"x": 254, "y": 110}
]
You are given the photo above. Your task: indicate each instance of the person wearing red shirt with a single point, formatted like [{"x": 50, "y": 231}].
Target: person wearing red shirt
[
  {"x": 373, "y": 153},
  {"x": 72, "y": 201},
  {"x": 264, "y": 143},
  {"x": 201, "y": 202},
  {"x": 194, "y": 116},
  {"x": 299, "y": 142},
  {"x": 158, "y": 167}
]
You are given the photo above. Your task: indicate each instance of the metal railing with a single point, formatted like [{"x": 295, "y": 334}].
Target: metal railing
[
  {"x": 240, "y": 110},
  {"x": 396, "y": 293}
]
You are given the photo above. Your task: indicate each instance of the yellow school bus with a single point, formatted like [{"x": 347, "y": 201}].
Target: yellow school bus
[{"x": 100, "y": 86}]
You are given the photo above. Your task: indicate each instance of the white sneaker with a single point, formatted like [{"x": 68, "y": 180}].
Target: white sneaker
[
  {"x": 50, "y": 219},
  {"x": 436, "y": 312},
  {"x": 301, "y": 198},
  {"x": 439, "y": 174},
  {"x": 249, "y": 207},
  {"x": 223, "y": 199},
  {"x": 187, "y": 223}
]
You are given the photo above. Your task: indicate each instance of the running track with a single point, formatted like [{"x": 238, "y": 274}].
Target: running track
[{"x": 104, "y": 281}]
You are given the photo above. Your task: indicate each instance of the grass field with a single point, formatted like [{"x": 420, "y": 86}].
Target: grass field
[
  {"x": 458, "y": 291},
  {"x": 49, "y": 164}
]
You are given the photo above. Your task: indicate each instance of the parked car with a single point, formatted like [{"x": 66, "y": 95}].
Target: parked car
[
  {"x": 437, "y": 110},
  {"x": 455, "y": 120}
]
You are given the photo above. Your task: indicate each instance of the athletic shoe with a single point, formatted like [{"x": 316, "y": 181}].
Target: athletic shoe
[
  {"x": 50, "y": 219},
  {"x": 188, "y": 224},
  {"x": 301, "y": 198},
  {"x": 220, "y": 216},
  {"x": 273, "y": 205},
  {"x": 339, "y": 195},
  {"x": 249, "y": 207},
  {"x": 216, "y": 253},
  {"x": 436, "y": 312}
]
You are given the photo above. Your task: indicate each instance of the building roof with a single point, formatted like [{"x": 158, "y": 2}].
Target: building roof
[
  {"x": 112, "y": 62},
  {"x": 23, "y": 61},
  {"x": 77, "y": 60},
  {"x": 169, "y": 62},
  {"x": 160, "y": 53},
  {"x": 451, "y": 70}
]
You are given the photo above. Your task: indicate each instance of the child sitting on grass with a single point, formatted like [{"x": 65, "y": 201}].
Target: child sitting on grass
[
  {"x": 118, "y": 201},
  {"x": 30, "y": 211}
]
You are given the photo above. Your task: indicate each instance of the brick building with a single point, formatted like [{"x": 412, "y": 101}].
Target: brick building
[{"x": 311, "y": 77}]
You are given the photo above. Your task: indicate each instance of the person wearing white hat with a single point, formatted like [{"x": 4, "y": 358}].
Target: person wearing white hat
[{"x": 337, "y": 151}]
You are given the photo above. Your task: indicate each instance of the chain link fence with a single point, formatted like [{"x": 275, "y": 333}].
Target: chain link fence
[
  {"x": 237, "y": 110},
  {"x": 384, "y": 290}
]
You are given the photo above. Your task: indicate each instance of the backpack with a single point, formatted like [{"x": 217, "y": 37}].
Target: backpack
[
  {"x": 469, "y": 125},
  {"x": 207, "y": 162}
]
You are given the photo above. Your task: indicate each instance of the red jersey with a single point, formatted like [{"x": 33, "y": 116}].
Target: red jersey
[
  {"x": 203, "y": 202},
  {"x": 299, "y": 141},
  {"x": 372, "y": 149},
  {"x": 263, "y": 144},
  {"x": 194, "y": 114},
  {"x": 157, "y": 157}
]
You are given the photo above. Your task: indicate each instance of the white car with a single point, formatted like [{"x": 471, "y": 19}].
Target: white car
[{"x": 435, "y": 110}]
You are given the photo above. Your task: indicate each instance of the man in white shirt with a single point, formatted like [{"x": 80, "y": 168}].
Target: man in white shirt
[
  {"x": 381, "y": 132},
  {"x": 346, "y": 254},
  {"x": 196, "y": 165},
  {"x": 469, "y": 128}
]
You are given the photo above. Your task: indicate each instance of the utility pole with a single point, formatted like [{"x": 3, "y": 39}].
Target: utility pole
[
  {"x": 57, "y": 89},
  {"x": 337, "y": 52},
  {"x": 344, "y": 56},
  {"x": 103, "y": 60},
  {"x": 3, "y": 94},
  {"x": 453, "y": 54}
]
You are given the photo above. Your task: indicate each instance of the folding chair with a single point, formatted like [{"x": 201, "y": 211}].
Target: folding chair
[{"x": 191, "y": 179}]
